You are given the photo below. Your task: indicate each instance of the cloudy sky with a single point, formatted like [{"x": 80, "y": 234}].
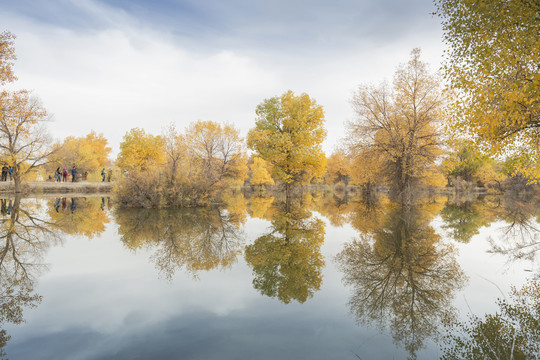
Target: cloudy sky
[{"x": 111, "y": 65}]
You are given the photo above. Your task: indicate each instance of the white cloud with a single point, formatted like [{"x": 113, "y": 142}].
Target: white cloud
[
  {"x": 114, "y": 80},
  {"x": 128, "y": 74}
]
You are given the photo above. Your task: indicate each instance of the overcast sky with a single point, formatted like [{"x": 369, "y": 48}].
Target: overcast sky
[{"x": 111, "y": 65}]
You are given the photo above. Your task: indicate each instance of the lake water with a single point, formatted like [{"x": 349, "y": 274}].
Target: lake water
[{"x": 327, "y": 276}]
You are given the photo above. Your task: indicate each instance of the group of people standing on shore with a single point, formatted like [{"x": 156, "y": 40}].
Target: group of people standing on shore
[
  {"x": 62, "y": 175},
  {"x": 7, "y": 171}
]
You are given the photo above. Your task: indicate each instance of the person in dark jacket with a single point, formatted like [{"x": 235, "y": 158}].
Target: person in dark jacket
[
  {"x": 4, "y": 173},
  {"x": 73, "y": 174}
]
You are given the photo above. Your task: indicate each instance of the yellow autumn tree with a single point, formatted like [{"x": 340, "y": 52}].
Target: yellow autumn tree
[
  {"x": 288, "y": 133},
  {"x": 87, "y": 153},
  {"x": 216, "y": 152},
  {"x": 399, "y": 126},
  {"x": 141, "y": 151},
  {"x": 238, "y": 171},
  {"x": 465, "y": 162},
  {"x": 260, "y": 174},
  {"x": 492, "y": 64},
  {"x": 338, "y": 168},
  {"x": 24, "y": 143}
]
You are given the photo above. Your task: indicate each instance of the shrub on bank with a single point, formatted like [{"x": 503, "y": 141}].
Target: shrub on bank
[
  {"x": 193, "y": 170},
  {"x": 156, "y": 189}
]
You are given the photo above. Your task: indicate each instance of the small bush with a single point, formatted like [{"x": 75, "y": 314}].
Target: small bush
[{"x": 139, "y": 189}]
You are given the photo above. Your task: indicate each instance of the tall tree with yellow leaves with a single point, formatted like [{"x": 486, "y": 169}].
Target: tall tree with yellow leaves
[
  {"x": 216, "y": 152},
  {"x": 399, "y": 126},
  {"x": 23, "y": 141},
  {"x": 288, "y": 134}
]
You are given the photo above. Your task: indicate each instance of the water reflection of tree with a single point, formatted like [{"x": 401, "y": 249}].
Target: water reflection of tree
[
  {"x": 519, "y": 239},
  {"x": 261, "y": 207},
  {"x": 287, "y": 261},
  {"x": 402, "y": 275},
  {"x": 464, "y": 216},
  {"x": 79, "y": 215},
  {"x": 25, "y": 235},
  {"x": 368, "y": 213},
  {"x": 336, "y": 207},
  {"x": 511, "y": 333},
  {"x": 194, "y": 239}
]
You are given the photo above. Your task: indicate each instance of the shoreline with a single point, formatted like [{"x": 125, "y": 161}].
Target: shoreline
[{"x": 50, "y": 188}]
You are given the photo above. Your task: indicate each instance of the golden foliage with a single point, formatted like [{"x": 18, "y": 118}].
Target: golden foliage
[
  {"x": 288, "y": 134},
  {"x": 338, "y": 168},
  {"x": 215, "y": 151},
  {"x": 89, "y": 153},
  {"x": 7, "y": 57},
  {"x": 492, "y": 64},
  {"x": 260, "y": 173},
  {"x": 141, "y": 151},
  {"x": 466, "y": 162},
  {"x": 367, "y": 168},
  {"x": 398, "y": 128},
  {"x": 23, "y": 141},
  {"x": 433, "y": 177},
  {"x": 214, "y": 159},
  {"x": 192, "y": 168}
]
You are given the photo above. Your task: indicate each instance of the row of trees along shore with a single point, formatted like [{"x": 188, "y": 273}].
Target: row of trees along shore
[{"x": 475, "y": 123}]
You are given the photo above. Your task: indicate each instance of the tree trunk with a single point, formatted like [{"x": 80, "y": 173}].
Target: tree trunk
[{"x": 17, "y": 181}]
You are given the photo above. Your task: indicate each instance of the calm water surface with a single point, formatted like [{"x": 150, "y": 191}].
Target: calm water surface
[{"x": 324, "y": 277}]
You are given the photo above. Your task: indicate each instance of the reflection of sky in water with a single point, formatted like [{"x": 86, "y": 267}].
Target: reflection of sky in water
[{"x": 102, "y": 301}]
